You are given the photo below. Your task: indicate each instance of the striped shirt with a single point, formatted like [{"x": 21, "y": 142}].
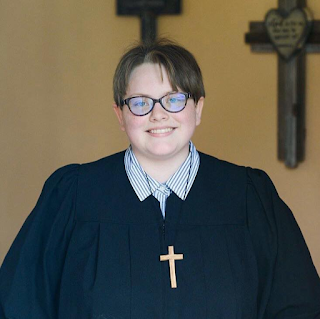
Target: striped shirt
[{"x": 180, "y": 182}]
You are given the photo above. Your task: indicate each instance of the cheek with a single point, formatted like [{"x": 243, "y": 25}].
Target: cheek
[
  {"x": 189, "y": 118},
  {"x": 132, "y": 125}
]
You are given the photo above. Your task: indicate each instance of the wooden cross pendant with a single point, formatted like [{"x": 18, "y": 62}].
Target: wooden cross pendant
[{"x": 171, "y": 257}]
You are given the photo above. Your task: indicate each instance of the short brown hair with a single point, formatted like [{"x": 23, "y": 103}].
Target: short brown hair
[{"x": 181, "y": 66}]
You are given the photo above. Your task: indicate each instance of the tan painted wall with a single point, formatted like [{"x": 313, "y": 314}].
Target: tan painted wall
[{"x": 56, "y": 64}]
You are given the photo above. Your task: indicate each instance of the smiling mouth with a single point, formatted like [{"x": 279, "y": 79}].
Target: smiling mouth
[{"x": 161, "y": 131}]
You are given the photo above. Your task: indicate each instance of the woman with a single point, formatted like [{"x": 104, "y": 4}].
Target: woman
[{"x": 159, "y": 230}]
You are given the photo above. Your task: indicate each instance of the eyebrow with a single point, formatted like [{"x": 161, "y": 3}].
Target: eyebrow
[{"x": 146, "y": 95}]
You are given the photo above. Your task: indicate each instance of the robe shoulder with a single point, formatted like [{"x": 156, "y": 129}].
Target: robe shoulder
[
  {"x": 32, "y": 268},
  {"x": 106, "y": 170},
  {"x": 290, "y": 284}
]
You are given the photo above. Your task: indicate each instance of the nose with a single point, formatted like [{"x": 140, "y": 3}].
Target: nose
[{"x": 158, "y": 113}]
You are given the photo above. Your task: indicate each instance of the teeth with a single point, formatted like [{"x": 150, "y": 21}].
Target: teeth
[{"x": 160, "y": 131}]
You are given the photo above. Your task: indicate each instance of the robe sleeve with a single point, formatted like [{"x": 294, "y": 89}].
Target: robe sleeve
[
  {"x": 32, "y": 270},
  {"x": 289, "y": 286}
]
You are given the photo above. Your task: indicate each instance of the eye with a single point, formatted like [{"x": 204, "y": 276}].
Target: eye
[
  {"x": 139, "y": 103},
  {"x": 173, "y": 100},
  {"x": 176, "y": 98}
]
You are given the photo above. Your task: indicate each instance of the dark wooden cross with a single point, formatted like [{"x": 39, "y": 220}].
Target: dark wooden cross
[
  {"x": 148, "y": 11},
  {"x": 291, "y": 84}
]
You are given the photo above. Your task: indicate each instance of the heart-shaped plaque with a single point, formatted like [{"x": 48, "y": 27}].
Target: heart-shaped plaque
[{"x": 288, "y": 32}]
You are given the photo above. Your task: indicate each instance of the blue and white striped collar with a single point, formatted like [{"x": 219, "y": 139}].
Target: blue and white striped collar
[{"x": 177, "y": 182}]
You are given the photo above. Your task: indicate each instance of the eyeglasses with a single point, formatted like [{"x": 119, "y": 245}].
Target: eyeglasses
[{"x": 143, "y": 105}]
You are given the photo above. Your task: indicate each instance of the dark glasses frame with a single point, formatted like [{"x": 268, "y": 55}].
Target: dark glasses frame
[{"x": 154, "y": 101}]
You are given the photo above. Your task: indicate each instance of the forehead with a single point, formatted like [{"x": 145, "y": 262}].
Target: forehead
[
  {"x": 148, "y": 69},
  {"x": 148, "y": 78}
]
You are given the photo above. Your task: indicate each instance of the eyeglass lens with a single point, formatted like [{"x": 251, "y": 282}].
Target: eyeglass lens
[{"x": 173, "y": 102}]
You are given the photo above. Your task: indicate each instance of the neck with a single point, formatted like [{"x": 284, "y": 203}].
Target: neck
[{"x": 161, "y": 169}]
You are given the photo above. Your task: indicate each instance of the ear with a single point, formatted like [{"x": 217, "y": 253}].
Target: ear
[
  {"x": 199, "y": 108},
  {"x": 119, "y": 115}
]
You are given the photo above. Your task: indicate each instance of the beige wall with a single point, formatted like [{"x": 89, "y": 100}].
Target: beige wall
[{"x": 56, "y": 64}]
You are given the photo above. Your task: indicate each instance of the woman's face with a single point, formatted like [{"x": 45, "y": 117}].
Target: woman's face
[{"x": 159, "y": 135}]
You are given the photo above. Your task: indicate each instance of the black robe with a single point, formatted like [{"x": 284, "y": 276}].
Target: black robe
[{"x": 90, "y": 250}]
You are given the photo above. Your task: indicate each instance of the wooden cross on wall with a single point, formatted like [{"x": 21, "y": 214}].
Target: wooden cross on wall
[
  {"x": 291, "y": 80},
  {"x": 148, "y": 11}
]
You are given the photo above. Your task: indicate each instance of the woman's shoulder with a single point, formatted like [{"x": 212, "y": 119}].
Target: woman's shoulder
[
  {"x": 108, "y": 162},
  {"x": 254, "y": 176},
  {"x": 219, "y": 164},
  {"x": 71, "y": 175},
  {"x": 74, "y": 169},
  {"x": 62, "y": 177}
]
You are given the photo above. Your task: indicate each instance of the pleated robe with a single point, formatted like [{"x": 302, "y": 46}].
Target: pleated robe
[{"x": 91, "y": 250}]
